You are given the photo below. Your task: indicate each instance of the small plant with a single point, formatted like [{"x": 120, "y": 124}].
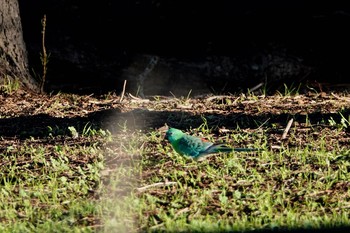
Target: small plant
[
  {"x": 204, "y": 128},
  {"x": 89, "y": 131},
  {"x": 44, "y": 57},
  {"x": 332, "y": 122},
  {"x": 291, "y": 90},
  {"x": 9, "y": 85},
  {"x": 343, "y": 124},
  {"x": 74, "y": 133}
]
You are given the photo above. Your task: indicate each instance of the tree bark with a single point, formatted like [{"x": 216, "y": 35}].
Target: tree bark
[{"x": 13, "y": 53}]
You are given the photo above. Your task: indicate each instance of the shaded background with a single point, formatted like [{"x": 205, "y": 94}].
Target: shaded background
[{"x": 211, "y": 46}]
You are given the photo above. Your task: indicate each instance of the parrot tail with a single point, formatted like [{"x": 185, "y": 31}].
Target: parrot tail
[{"x": 223, "y": 148}]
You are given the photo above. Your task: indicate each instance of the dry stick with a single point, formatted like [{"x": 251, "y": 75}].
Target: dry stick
[
  {"x": 334, "y": 95},
  {"x": 286, "y": 130},
  {"x": 256, "y": 87},
  {"x": 155, "y": 185},
  {"x": 123, "y": 92}
]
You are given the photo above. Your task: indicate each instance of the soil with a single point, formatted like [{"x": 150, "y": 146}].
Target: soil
[{"x": 25, "y": 115}]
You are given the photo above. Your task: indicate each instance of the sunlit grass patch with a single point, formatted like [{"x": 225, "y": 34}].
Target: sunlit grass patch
[
  {"x": 41, "y": 182},
  {"x": 289, "y": 188}
]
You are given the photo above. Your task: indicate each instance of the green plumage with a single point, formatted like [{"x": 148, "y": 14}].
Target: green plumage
[{"x": 195, "y": 147}]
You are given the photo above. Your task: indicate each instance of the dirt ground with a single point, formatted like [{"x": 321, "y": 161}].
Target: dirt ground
[{"x": 25, "y": 115}]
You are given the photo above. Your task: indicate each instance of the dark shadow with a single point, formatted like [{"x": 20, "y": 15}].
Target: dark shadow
[
  {"x": 285, "y": 36},
  {"x": 43, "y": 125}
]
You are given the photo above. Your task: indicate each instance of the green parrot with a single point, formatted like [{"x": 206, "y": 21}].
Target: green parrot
[{"x": 195, "y": 147}]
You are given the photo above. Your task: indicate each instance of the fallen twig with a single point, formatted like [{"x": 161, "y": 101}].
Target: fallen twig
[
  {"x": 286, "y": 130},
  {"x": 276, "y": 147},
  {"x": 137, "y": 99},
  {"x": 256, "y": 87},
  {"x": 160, "y": 184}
]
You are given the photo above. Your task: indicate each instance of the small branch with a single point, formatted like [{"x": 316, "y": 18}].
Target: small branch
[
  {"x": 286, "y": 130},
  {"x": 160, "y": 184},
  {"x": 276, "y": 147},
  {"x": 123, "y": 92}
]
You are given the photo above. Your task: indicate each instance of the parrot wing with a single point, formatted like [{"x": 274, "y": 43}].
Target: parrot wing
[{"x": 192, "y": 146}]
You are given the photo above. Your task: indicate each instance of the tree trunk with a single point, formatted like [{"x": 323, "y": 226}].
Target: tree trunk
[{"x": 13, "y": 53}]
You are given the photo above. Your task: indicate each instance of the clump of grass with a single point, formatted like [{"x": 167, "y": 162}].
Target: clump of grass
[
  {"x": 9, "y": 85},
  {"x": 290, "y": 90}
]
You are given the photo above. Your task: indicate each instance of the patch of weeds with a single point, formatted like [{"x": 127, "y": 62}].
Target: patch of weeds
[
  {"x": 9, "y": 85},
  {"x": 290, "y": 90},
  {"x": 204, "y": 128},
  {"x": 343, "y": 124},
  {"x": 55, "y": 183},
  {"x": 90, "y": 131}
]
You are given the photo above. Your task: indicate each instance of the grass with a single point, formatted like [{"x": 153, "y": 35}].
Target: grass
[
  {"x": 78, "y": 177},
  {"x": 9, "y": 85},
  {"x": 291, "y": 188},
  {"x": 46, "y": 188}
]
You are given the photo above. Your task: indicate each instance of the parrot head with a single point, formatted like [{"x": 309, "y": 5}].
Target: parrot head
[{"x": 173, "y": 134}]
